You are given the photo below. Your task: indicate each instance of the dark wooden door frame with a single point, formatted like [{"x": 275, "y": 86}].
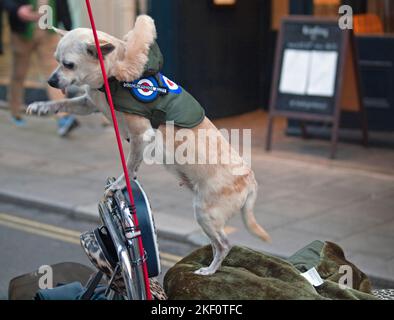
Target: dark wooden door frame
[{"x": 266, "y": 53}]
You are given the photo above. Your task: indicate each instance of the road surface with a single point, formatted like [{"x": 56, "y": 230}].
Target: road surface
[{"x": 30, "y": 238}]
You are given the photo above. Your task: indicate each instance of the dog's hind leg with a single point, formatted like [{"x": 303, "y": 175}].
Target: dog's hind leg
[{"x": 220, "y": 245}]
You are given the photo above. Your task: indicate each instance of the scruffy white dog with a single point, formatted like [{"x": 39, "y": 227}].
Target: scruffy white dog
[{"x": 219, "y": 194}]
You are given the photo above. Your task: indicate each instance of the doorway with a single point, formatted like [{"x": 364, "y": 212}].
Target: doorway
[{"x": 218, "y": 53}]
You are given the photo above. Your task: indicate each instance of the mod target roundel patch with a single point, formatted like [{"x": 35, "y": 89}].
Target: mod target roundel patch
[
  {"x": 171, "y": 85},
  {"x": 145, "y": 89}
]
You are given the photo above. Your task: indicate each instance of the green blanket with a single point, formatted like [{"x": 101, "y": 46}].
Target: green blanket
[{"x": 248, "y": 274}]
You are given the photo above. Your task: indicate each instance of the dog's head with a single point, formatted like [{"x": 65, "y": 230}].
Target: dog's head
[
  {"x": 78, "y": 61},
  {"x": 77, "y": 56}
]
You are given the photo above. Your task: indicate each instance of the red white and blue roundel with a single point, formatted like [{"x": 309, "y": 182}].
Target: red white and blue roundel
[
  {"x": 170, "y": 85},
  {"x": 145, "y": 89}
]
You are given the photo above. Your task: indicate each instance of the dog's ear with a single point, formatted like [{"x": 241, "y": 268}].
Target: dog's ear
[
  {"x": 60, "y": 32},
  {"x": 106, "y": 48}
]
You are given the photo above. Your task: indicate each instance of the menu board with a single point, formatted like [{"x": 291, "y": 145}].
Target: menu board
[{"x": 316, "y": 74}]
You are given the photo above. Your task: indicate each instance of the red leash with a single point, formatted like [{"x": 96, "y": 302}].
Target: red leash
[{"x": 120, "y": 146}]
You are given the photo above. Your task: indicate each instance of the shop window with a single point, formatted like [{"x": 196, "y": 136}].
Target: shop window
[
  {"x": 384, "y": 11},
  {"x": 368, "y": 23},
  {"x": 376, "y": 17},
  {"x": 370, "y": 16},
  {"x": 327, "y": 8}
]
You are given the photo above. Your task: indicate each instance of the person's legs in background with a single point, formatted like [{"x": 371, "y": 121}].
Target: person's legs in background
[
  {"x": 46, "y": 47},
  {"x": 21, "y": 53}
]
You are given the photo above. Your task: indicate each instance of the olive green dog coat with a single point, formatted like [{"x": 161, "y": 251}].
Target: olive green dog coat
[{"x": 156, "y": 97}]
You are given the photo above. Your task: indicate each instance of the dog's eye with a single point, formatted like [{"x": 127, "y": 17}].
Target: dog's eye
[{"x": 68, "y": 65}]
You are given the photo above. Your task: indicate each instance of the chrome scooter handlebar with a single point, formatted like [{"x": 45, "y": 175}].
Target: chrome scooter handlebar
[{"x": 116, "y": 216}]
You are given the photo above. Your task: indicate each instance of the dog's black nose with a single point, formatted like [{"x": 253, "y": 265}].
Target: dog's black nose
[{"x": 54, "y": 81}]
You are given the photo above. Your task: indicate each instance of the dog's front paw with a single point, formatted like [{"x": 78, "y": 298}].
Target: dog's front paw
[
  {"x": 39, "y": 108},
  {"x": 111, "y": 189},
  {"x": 108, "y": 193}
]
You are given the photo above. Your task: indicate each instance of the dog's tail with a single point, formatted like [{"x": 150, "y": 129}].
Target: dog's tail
[
  {"x": 138, "y": 42},
  {"x": 249, "y": 218}
]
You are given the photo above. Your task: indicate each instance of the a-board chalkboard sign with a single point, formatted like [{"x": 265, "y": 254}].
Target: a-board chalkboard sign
[{"x": 316, "y": 74}]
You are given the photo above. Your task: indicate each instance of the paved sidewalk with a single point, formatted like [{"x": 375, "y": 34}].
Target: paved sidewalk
[{"x": 300, "y": 200}]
